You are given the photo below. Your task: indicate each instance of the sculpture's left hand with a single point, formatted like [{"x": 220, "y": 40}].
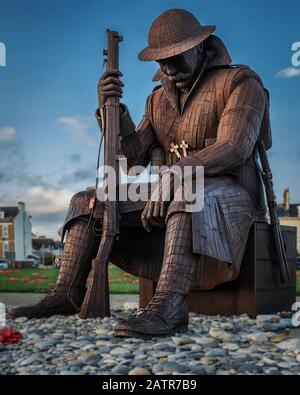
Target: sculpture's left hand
[{"x": 156, "y": 208}]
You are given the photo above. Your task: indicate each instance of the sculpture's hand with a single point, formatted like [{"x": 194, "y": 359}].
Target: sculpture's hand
[
  {"x": 109, "y": 85},
  {"x": 156, "y": 208}
]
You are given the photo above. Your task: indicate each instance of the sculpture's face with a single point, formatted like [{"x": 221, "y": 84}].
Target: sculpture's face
[{"x": 182, "y": 69}]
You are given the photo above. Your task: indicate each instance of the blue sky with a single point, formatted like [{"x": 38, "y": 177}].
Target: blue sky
[{"x": 48, "y": 135}]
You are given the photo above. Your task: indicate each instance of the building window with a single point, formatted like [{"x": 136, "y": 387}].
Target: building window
[
  {"x": 5, "y": 246},
  {"x": 1, "y": 214},
  {"x": 5, "y": 231}
]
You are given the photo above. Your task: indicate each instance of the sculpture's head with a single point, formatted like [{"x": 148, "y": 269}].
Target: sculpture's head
[{"x": 175, "y": 41}]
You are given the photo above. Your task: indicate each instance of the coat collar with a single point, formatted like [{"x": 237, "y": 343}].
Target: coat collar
[{"x": 216, "y": 55}]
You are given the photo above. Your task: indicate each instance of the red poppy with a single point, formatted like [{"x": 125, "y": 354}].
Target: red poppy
[
  {"x": 8, "y": 336},
  {"x": 36, "y": 275},
  {"x": 26, "y": 280},
  {"x": 13, "y": 279}
]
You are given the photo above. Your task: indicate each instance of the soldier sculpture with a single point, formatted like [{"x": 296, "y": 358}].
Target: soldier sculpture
[{"x": 205, "y": 112}]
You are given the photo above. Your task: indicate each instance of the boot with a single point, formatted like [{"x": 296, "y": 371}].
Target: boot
[
  {"x": 167, "y": 312},
  {"x": 68, "y": 294}
]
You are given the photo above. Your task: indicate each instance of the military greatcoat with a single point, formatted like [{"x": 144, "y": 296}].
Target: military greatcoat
[{"x": 220, "y": 119}]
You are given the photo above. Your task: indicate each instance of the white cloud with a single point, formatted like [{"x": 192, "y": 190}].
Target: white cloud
[
  {"x": 288, "y": 72},
  {"x": 79, "y": 129},
  {"x": 47, "y": 204},
  {"x": 47, "y": 200},
  {"x": 8, "y": 135}
]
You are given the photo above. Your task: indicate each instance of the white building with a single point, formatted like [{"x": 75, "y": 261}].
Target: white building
[
  {"x": 289, "y": 214},
  {"x": 15, "y": 232}
]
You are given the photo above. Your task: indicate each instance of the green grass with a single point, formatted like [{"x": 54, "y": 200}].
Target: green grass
[{"x": 120, "y": 282}]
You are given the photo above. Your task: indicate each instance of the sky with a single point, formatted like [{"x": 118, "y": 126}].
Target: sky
[{"x": 48, "y": 88}]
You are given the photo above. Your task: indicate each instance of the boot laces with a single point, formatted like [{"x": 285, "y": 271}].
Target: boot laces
[{"x": 158, "y": 302}]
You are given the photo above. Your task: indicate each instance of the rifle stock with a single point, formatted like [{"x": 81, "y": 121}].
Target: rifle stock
[{"x": 96, "y": 302}]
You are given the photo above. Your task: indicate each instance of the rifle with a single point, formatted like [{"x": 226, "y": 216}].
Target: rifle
[
  {"x": 280, "y": 254},
  {"x": 96, "y": 301}
]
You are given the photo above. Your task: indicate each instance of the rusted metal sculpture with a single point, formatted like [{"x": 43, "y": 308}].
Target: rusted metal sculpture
[
  {"x": 205, "y": 112},
  {"x": 96, "y": 302}
]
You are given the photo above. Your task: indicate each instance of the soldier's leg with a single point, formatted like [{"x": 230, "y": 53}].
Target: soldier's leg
[
  {"x": 137, "y": 251},
  {"x": 167, "y": 312},
  {"x": 79, "y": 249},
  {"x": 82, "y": 241}
]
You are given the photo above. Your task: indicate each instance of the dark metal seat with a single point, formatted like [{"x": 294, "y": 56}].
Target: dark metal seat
[{"x": 257, "y": 290}]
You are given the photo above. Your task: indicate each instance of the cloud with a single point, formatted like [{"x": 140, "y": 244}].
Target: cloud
[
  {"x": 79, "y": 127},
  {"x": 47, "y": 200},
  {"x": 78, "y": 175},
  {"x": 48, "y": 207},
  {"x": 75, "y": 158},
  {"x": 8, "y": 136},
  {"x": 14, "y": 168},
  {"x": 288, "y": 72},
  {"x": 12, "y": 163},
  {"x": 47, "y": 228}
]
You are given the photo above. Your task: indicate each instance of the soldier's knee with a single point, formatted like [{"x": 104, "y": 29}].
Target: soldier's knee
[
  {"x": 76, "y": 197},
  {"x": 82, "y": 197}
]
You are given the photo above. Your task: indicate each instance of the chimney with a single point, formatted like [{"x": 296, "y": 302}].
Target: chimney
[
  {"x": 21, "y": 206},
  {"x": 286, "y": 199}
]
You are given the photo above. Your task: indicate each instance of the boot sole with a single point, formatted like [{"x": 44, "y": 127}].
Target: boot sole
[{"x": 128, "y": 333}]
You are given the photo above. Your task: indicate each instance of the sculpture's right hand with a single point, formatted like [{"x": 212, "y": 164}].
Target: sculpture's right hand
[{"x": 109, "y": 85}]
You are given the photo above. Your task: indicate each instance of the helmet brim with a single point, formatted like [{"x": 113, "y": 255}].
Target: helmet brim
[{"x": 149, "y": 54}]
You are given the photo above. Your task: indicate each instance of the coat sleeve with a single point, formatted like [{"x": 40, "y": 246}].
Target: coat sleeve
[
  {"x": 136, "y": 143},
  {"x": 238, "y": 130}
]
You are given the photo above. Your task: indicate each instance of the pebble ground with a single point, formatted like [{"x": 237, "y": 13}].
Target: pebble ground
[{"x": 212, "y": 346}]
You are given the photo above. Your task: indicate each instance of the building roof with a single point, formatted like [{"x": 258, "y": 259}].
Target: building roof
[
  {"x": 292, "y": 211},
  {"x": 10, "y": 212},
  {"x": 38, "y": 243}
]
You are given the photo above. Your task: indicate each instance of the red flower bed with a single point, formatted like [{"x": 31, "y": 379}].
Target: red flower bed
[
  {"x": 36, "y": 275},
  {"x": 13, "y": 279},
  {"x": 8, "y": 336},
  {"x": 6, "y": 272}
]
